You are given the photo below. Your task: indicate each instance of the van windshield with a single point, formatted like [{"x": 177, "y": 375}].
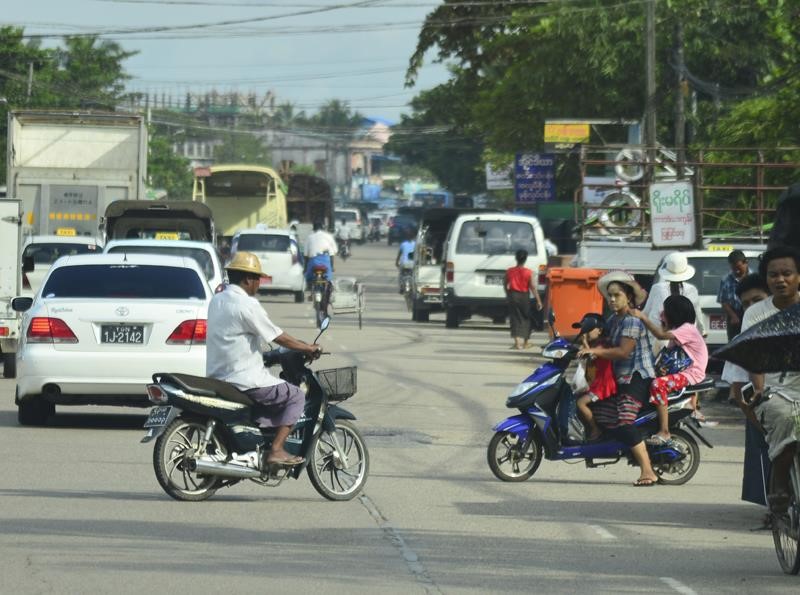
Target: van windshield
[
  {"x": 496, "y": 237},
  {"x": 349, "y": 216}
]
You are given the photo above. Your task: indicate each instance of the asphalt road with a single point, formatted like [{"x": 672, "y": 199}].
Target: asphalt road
[{"x": 81, "y": 512}]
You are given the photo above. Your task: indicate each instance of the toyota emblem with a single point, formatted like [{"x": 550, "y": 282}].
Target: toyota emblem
[{"x": 122, "y": 311}]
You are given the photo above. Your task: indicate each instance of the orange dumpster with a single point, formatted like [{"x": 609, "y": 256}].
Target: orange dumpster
[{"x": 571, "y": 293}]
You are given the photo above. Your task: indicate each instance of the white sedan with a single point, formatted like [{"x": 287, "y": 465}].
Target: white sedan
[{"x": 102, "y": 325}]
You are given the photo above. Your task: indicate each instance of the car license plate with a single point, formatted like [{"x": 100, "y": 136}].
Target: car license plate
[
  {"x": 717, "y": 322},
  {"x": 122, "y": 334},
  {"x": 495, "y": 279},
  {"x": 158, "y": 417}
]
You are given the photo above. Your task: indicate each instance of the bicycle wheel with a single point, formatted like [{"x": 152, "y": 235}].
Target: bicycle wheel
[{"x": 786, "y": 529}]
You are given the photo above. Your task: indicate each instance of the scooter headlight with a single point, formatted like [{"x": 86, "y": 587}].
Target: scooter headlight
[
  {"x": 522, "y": 388},
  {"x": 556, "y": 353}
]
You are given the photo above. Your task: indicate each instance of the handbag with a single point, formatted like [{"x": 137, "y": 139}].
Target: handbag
[{"x": 671, "y": 360}]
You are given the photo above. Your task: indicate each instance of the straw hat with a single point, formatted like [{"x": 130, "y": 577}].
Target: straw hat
[
  {"x": 675, "y": 268},
  {"x": 640, "y": 295},
  {"x": 247, "y": 262}
]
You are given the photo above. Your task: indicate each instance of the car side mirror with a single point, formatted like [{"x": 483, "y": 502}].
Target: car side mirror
[
  {"x": 27, "y": 264},
  {"x": 21, "y": 304}
]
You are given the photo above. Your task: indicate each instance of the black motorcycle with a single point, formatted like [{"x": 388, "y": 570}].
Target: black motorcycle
[{"x": 207, "y": 439}]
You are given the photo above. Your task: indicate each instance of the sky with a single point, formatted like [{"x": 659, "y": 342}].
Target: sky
[{"x": 351, "y": 50}]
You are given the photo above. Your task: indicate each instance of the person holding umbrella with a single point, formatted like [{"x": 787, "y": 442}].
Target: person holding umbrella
[{"x": 780, "y": 267}]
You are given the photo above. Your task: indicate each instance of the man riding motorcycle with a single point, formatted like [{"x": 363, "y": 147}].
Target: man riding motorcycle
[
  {"x": 319, "y": 251},
  {"x": 238, "y": 327}
]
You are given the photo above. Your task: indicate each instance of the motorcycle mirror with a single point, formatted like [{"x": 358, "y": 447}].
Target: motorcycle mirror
[{"x": 323, "y": 326}]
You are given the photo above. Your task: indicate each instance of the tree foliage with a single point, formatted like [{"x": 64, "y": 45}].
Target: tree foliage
[
  {"x": 527, "y": 62},
  {"x": 241, "y": 147}
]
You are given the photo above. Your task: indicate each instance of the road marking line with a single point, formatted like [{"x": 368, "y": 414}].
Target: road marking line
[
  {"x": 393, "y": 535},
  {"x": 603, "y": 533},
  {"x": 677, "y": 586}
]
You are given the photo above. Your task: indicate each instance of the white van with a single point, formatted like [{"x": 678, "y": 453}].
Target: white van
[
  {"x": 352, "y": 219},
  {"x": 478, "y": 250}
]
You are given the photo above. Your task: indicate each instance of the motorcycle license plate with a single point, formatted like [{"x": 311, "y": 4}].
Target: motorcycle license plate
[{"x": 158, "y": 417}]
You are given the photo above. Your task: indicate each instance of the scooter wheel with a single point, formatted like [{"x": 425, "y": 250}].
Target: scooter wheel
[
  {"x": 508, "y": 462},
  {"x": 680, "y": 471}
]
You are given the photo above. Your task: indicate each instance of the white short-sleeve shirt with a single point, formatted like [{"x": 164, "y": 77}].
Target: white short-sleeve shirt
[
  {"x": 319, "y": 242},
  {"x": 238, "y": 330}
]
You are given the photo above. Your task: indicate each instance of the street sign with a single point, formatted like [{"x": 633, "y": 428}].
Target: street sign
[
  {"x": 499, "y": 179},
  {"x": 534, "y": 177},
  {"x": 672, "y": 218}
]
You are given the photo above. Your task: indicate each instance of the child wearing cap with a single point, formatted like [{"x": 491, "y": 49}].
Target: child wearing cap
[{"x": 600, "y": 372}]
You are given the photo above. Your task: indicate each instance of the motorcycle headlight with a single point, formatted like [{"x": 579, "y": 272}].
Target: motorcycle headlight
[{"x": 522, "y": 388}]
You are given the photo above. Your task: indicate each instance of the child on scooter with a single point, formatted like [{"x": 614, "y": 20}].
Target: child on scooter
[
  {"x": 599, "y": 373},
  {"x": 679, "y": 329}
]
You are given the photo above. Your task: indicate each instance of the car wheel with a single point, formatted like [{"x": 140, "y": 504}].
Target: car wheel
[
  {"x": 9, "y": 365},
  {"x": 298, "y": 297},
  {"x": 34, "y": 412}
]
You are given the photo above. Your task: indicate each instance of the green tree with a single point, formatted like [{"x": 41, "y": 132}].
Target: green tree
[
  {"x": 167, "y": 170},
  {"x": 437, "y": 136},
  {"x": 336, "y": 116}
]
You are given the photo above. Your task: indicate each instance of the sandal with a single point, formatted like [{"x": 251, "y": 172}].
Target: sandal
[
  {"x": 657, "y": 440},
  {"x": 644, "y": 482},
  {"x": 288, "y": 461}
]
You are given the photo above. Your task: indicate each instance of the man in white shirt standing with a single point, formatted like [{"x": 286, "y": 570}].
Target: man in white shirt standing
[
  {"x": 238, "y": 329},
  {"x": 319, "y": 251}
]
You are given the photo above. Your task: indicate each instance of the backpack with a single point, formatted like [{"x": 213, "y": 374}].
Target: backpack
[
  {"x": 671, "y": 360},
  {"x": 787, "y": 219}
]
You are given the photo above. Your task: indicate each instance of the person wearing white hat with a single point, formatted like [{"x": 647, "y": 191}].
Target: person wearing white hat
[
  {"x": 237, "y": 328},
  {"x": 674, "y": 274}
]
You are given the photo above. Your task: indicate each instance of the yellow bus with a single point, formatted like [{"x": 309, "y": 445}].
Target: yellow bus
[{"x": 241, "y": 196}]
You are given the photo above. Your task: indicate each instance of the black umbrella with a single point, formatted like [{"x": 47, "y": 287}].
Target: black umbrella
[{"x": 772, "y": 345}]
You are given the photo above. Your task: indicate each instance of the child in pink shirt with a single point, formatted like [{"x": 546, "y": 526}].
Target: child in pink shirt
[{"x": 679, "y": 329}]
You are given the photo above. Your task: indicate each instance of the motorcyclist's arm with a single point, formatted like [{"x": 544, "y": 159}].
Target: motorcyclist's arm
[
  {"x": 288, "y": 341},
  {"x": 623, "y": 351}
]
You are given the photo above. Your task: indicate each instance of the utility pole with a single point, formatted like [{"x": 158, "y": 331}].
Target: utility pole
[
  {"x": 30, "y": 83},
  {"x": 650, "y": 76},
  {"x": 680, "y": 93}
]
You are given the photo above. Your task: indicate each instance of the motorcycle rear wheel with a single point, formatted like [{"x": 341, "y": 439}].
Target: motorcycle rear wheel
[
  {"x": 507, "y": 462},
  {"x": 786, "y": 534},
  {"x": 325, "y": 468},
  {"x": 679, "y": 472},
  {"x": 172, "y": 450}
]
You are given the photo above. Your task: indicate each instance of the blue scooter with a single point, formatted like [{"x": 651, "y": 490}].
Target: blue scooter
[{"x": 548, "y": 426}]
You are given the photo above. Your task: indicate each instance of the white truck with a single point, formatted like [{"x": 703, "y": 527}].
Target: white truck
[
  {"x": 10, "y": 281},
  {"x": 67, "y": 167},
  {"x": 63, "y": 169}
]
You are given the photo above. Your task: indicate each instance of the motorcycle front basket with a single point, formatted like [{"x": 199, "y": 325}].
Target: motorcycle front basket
[{"x": 338, "y": 383}]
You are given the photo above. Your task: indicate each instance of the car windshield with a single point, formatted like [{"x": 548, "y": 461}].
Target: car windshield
[
  {"x": 496, "y": 237},
  {"x": 252, "y": 242},
  {"x": 48, "y": 253},
  {"x": 129, "y": 281},
  {"x": 348, "y": 216},
  {"x": 202, "y": 257},
  {"x": 708, "y": 274}
]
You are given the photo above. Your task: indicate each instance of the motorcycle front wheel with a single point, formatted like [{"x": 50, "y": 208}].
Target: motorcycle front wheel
[
  {"x": 329, "y": 474},
  {"x": 173, "y": 451},
  {"x": 508, "y": 462},
  {"x": 679, "y": 472}
]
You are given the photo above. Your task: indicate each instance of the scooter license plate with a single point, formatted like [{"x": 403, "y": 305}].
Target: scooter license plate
[{"x": 158, "y": 417}]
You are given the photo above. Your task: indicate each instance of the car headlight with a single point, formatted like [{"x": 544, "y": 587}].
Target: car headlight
[{"x": 522, "y": 388}]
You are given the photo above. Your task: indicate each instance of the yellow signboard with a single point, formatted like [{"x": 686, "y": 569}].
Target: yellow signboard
[
  {"x": 66, "y": 231},
  {"x": 168, "y": 235},
  {"x": 566, "y": 132}
]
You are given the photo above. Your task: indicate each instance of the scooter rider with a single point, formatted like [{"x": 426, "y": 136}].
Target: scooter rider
[
  {"x": 237, "y": 328},
  {"x": 320, "y": 250},
  {"x": 404, "y": 260}
]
